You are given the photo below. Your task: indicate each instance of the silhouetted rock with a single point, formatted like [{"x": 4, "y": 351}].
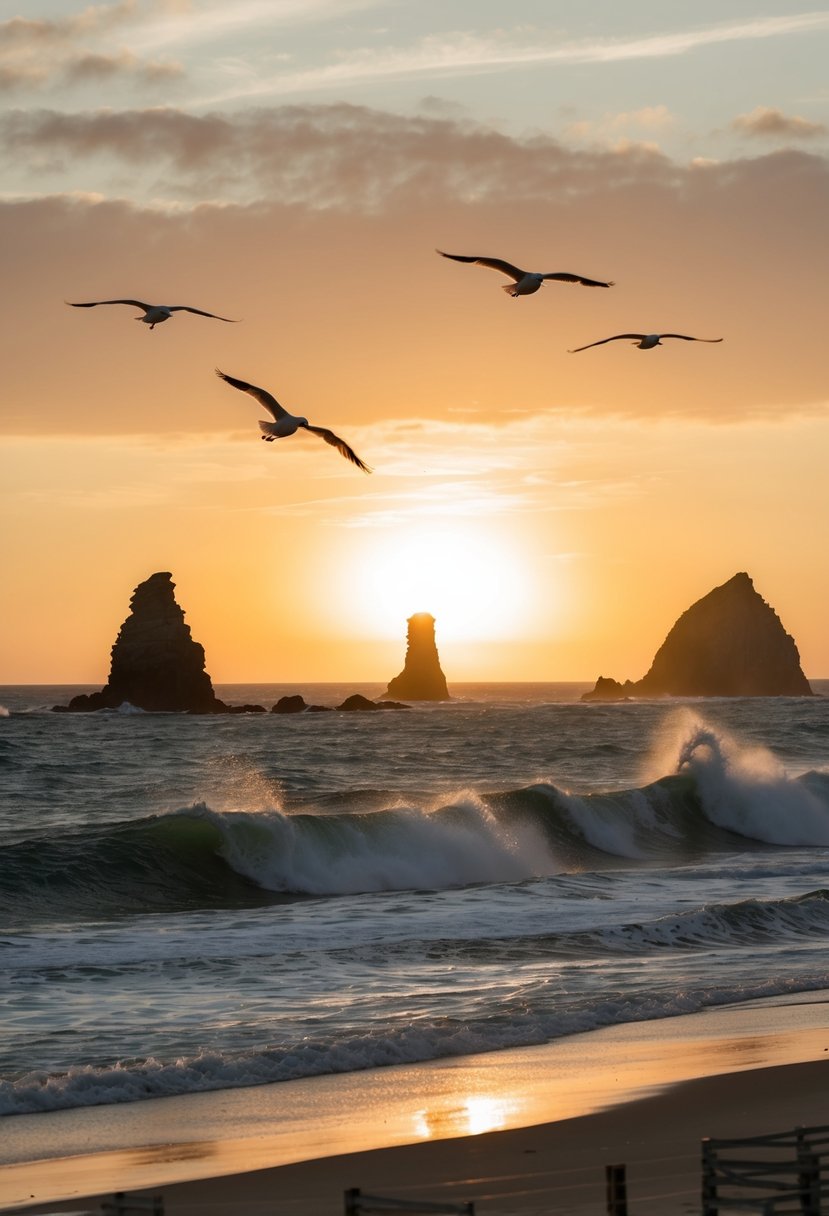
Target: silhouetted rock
[
  {"x": 421, "y": 678},
  {"x": 320, "y": 709},
  {"x": 730, "y": 643},
  {"x": 357, "y": 702},
  {"x": 290, "y": 705},
  {"x": 244, "y": 709},
  {"x": 156, "y": 665}
]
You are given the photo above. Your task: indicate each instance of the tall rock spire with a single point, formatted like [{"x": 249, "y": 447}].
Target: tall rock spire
[
  {"x": 156, "y": 665},
  {"x": 421, "y": 678}
]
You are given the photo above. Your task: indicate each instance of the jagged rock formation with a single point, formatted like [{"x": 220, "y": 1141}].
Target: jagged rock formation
[
  {"x": 421, "y": 678},
  {"x": 731, "y": 643},
  {"x": 156, "y": 665}
]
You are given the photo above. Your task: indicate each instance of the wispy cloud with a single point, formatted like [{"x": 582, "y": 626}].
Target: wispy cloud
[
  {"x": 218, "y": 19},
  {"x": 463, "y": 52},
  {"x": 766, "y": 122}
]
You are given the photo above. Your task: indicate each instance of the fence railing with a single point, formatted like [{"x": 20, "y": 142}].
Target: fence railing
[
  {"x": 785, "y": 1172},
  {"x": 124, "y": 1203},
  {"x": 358, "y": 1204}
]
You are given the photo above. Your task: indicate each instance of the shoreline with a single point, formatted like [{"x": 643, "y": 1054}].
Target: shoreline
[{"x": 430, "y": 1127}]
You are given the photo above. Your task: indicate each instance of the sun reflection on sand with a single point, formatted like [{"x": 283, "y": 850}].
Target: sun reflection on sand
[{"x": 474, "y": 1115}]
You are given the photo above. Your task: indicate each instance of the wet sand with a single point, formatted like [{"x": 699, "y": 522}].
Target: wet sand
[{"x": 525, "y": 1131}]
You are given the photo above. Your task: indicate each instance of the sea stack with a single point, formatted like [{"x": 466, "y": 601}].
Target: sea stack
[
  {"x": 156, "y": 665},
  {"x": 421, "y": 678},
  {"x": 731, "y": 643}
]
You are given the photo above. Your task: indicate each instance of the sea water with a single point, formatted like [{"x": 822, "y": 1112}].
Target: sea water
[{"x": 200, "y": 903}]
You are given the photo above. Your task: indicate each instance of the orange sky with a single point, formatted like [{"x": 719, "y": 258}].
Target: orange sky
[{"x": 556, "y": 512}]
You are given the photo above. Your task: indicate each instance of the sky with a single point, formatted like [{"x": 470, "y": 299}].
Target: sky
[{"x": 295, "y": 165}]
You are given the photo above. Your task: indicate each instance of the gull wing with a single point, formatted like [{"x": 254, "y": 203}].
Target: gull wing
[
  {"x": 270, "y": 403},
  {"x": 564, "y": 277},
  {"x": 201, "y": 312},
  {"x": 493, "y": 263},
  {"x": 95, "y": 303},
  {"x": 688, "y": 338},
  {"x": 615, "y": 338},
  {"x": 340, "y": 444}
]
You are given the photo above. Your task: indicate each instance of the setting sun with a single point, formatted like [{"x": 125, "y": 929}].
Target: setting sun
[{"x": 468, "y": 577}]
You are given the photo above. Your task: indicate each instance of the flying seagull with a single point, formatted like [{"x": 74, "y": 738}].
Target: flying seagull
[
  {"x": 154, "y": 314},
  {"x": 288, "y": 424},
  {"x": 643, "y": 341},
  {"x": 525, "y": 282}
]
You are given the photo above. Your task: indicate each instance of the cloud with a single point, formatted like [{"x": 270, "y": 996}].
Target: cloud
[
  {"x": 466, "y": 52},
  {"x": 325, "y": 156},
  {"x": 766, "y": 122},
  {"x": 607, "y": 131},
  {"x": 62, "y": 51},
  {"x": 95, "y": 68},
  {"x": 331, "y": 248},
  {"x": 218, "y": 19}
]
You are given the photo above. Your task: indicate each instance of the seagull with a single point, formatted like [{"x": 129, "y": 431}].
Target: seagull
[
  {"x": 288, "y": 424},
  {"x": 644, "y": 341},
  {"x": 154, "y": 314},
  {"x": 525, "y": 282}
]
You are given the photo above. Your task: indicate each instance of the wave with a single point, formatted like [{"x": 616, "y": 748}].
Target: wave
[
  {"x": 717, "y": 799},
  {"x": 134, "y": 1080}
]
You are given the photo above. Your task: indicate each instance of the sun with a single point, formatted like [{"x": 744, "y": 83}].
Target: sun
[{"x": 475, "y": 583}]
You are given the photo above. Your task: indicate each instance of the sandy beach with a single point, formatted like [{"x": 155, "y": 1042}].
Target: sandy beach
[{"x": 520, "y": 1131}]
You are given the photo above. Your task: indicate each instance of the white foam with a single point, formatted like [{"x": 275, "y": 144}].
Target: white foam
[
  {"x": 745, "y": 789},
  {"x": 135, "y": 1080}
]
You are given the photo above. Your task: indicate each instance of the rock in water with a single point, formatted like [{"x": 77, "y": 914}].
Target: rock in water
[
  {"x": 731, "y": 643},
  {"x": 421, "y": 678},
  {"x": 156, "y": 665}
]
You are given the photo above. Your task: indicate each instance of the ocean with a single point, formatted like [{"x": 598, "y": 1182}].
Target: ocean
[{"x": 204, "y": 903}]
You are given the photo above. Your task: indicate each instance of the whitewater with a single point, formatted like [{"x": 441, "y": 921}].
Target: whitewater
[{"x": 202, "y": 903}]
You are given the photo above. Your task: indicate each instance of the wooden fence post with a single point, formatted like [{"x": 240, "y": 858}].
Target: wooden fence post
[
  {"x": 617, "y": 1191},
  {"x": 808, "y": 1181}
]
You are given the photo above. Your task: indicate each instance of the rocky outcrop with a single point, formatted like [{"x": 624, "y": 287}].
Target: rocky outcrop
[
  {"x": 731, "y": 643},
  {"x": 357, "y": 703},
  {"x": 421, "y": 678},
  {"x": 156, "y": 665},
  {"x": 295, "y": 704}
]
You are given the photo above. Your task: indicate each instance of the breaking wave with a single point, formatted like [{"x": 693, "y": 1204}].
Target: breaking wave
[{"x": 717, "y": 798}]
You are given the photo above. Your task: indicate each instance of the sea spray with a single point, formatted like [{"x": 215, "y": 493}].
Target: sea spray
[{"x": 748, "y": 792}]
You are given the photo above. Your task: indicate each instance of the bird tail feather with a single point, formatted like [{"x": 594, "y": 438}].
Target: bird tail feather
[{"x": 268, "y": 428}]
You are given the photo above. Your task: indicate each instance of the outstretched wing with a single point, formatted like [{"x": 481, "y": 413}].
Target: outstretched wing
[
  {"x": 341, "y": 446},
  {"x": 563, "y": 277},
  {"x": 201, "y": 312},
  {"x": 95, "y": 303},
  {"x": 615, "y": 338},
  {"x": 493, "y": 263},
  {"x": 688, "y": 338},
  {"x": 270, "y": 403}
]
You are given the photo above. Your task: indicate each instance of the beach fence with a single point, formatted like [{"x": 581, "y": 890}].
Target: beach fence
[
  {"x": 124, "y": 1203},
  {"x": 358, "y": 1204},
  {"x": 782, "y": 1173}
]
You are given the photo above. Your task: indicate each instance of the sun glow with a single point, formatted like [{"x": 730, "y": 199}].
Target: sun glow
[{"x": 475, "y": 583}]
